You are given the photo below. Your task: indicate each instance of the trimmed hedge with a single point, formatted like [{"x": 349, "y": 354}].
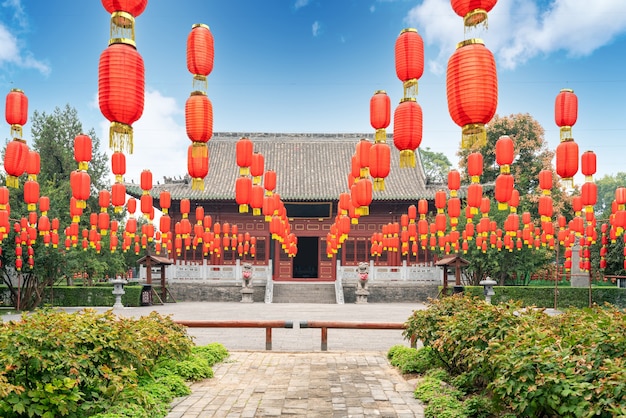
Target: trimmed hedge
[
  {"x": 87, "y": 296},
  {"x": 543, "y": 297}
]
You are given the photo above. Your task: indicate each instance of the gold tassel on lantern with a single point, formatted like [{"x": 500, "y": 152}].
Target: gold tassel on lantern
[
  {"x": 197, "y": 184},
  {"x": 407, "y": 158},
  {"x": 410, "y": 88},
  {"x": 474, "y": 134},
  {"x": 121, "y": 137},
  {"x": 379, "y": 184},
  {"x": 380, "y": 137}
]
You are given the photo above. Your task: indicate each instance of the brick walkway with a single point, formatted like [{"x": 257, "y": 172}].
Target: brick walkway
[{"x": 321, "y": 384}]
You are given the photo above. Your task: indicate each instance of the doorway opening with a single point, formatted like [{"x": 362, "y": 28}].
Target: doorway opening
[{"x": 306, "y": 261}]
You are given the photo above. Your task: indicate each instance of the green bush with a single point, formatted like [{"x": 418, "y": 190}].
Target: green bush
[
  {"x": 430, "y": 388},
  {"x": 444, "y": 406},
  {"x": 411, "y": 360},
  {"x": 75, "y": 365},
  {"x": 213, "y": 353},
  {"x": 89, "y": 295},
  {"x": 194, "y": 368}
]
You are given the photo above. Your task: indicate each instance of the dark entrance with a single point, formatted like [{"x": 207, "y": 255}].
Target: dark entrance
[{"x": 306, "y": 261}]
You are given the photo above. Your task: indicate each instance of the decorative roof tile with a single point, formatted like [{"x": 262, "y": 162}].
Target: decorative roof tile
[{"x": 309, "y": 167}]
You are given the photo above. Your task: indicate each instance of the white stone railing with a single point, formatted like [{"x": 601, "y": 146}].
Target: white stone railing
[
  {"x": 420, "y": 274},
  {"x": 194, "y": 273}
]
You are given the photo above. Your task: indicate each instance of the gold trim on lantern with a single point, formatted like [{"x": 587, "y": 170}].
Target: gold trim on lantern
[
  {"x": 364, "y": 172},
  {"x": 243, "y": 208},
  {"x": 505, "y": 169},
  {"x": 12, "y": 181},
  {"x": 83, "y": 165},
  {"x": 125, "y": 41},
  {"x": 199, "y": 150},
  {"x": 475, "y": 17},
  {"x": 470, "y": 42},
  {"x": 121, "y": 137},
  {"x": 473, "y": 134},
  {"x": 408, "y": 30}
]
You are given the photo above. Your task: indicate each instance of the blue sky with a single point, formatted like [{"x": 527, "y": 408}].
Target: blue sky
[{"x": 312, "y": 66}]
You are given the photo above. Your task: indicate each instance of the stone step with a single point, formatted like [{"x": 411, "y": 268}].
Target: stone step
[{"x": 304, "y": 292}]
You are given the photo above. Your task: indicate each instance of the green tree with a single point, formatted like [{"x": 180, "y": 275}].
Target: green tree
[
  {"x": 606, "y": 193},
  {"x": 53, "y": 137},
  {"x": 436, "y": 165}
]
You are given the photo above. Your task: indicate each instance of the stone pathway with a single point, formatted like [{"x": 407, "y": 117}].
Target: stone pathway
[{"x": 319, "y": 384}]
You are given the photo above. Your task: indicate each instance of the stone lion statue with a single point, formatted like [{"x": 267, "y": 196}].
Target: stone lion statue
[
  {"x": 246, "y": 275},
  {"x": 363, "y": 270}
]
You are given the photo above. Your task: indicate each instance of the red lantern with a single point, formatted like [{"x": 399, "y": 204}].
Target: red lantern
[
  {"x": 257, "y": 167},
  {"x": 409, "y": 58},
  {"x": 132, "y": 7},
  {"x": 16, "y": 111},
  {"x": 146, "y": 181},
  {"x": 118, "y": 196},
  {"x": 361, "y": 194},
  {"x": 269, "y": 182},
  {"x": 504, "y": 153},
  {"x": 15, "y": 161},
  {"x": 121, "y": 85},
  {"x": 33, "y": 165},
  {"x": 165, "y": 201},
  {"x": 407, "y": 130},
  {"x": 545, "y": 181},
  {"x": 589, "y": 194},
  {"x": 475, "y": 166},
  {"x": 472, "y": 90},
  {"x": 566, "y": 112},
  {"x": 197, "y": 164},
  {"x": 473, "y": 12},
  {"x": 588, "y": 164},
  {"x": 256, "y": 199},
  {"x": 31, "y": 194},
  {"x": 82, "y": 151},
  {"x": 380, "y": 164},
  {"x": 454, "y": 181},
  {"x": 244, "y": 151},
  {"x": 243, "y": 190},
  {"x": 80, "y": 182},
  {"x": 199, "y": 117},
  {"x": 380, "y": 114},
  {"x": 200, "y": 55},
  {"x": 118, "y": 166},
  {"x": 474, "y": 197},
  {"x": 567, "y": 160},
  {"x": 504, "y": 190}
]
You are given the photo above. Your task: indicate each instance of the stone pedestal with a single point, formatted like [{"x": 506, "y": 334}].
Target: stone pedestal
[
  {"x": 361, "y": 295},
  {"x": 246, "y": 295},
  {"x": 118, "y": 291}
]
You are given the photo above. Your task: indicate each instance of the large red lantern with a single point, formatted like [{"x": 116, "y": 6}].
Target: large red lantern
[
  {"x": 380, "y": 114},
  {"x": 197, "y": 164},
  {"x": 472, "y": 90},
  {"x": 121, "y": 85},
  {"x": 15, "y": 158},
  {"x": 407, "y": 130},
  {"x": 409, "y": 58},
  {"x": 199, "y": 117},
  {"x": 80, "y": 182},
  {"x": 243, "y": 190},
  {"x": 16, "y": 111},
  {"x": 200, "y": 54},
  {"x": 566, "y": 112},
  {"x": 567, "y": 161},
  {"x": 473, "y": 12},
  {"x": 380, "y": 164},
  {"x": 244, "y": 151}
]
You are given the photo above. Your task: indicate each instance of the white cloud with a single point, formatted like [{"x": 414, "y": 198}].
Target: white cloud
[
  {"x": 520, "y": 30},
  {"x": 301, "y": 3},
  {"x": 11, "y": 50},
  {"x": 160, "y": 140},
  {"x": 316, "y": 28}
]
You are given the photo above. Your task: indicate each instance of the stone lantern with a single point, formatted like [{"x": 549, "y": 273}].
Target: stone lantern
[
  {"x": 488, "y": 284},
  {"x": 118, "y": 291}
]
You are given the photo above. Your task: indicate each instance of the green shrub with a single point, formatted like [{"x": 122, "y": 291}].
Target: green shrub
[
  {"x": 74, "y": 365},
  {"x": 175, "y": 384},
  {"x": 213, "y": 353},
  {"x": 438, "y": 373},
  {"x": 194, "y": 368},
  {"x": 444, "y": 406},
  {"x": 411, "y": 360},
  {"x": 430, "y": 388},
  {"x": 478, "y": 406}
]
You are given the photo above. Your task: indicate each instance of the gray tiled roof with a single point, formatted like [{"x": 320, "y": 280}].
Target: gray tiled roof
[{"x": 309, "y": 167}]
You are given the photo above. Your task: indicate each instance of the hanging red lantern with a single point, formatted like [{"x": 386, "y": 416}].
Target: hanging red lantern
[
  {"x": 118, "y": 196},
  {"x": 380, "y": 164},
  {"x": 567, "y": 161},
  {"x": 269, "y": 182},
  {"x": 380, "y": 114},
  {"x": 588, "y": 164},
  {"x": 545, "y": 181},
  {"x": 82, "y": 151},
  {"x": 165, "y": 201},
  {"x": 244, "y": 151},
  {"x": 15, "y": 157},
  {"x": 473, "y": 12},
  {"x": 407, "y": 130},
  {"x": 121, "y": 86},
  {"x": 199, "y": 117},
  {"x": 475, "y": 166},
  {"x": 146, "y": 181},
  {"x": 361, "y": 194},
  {"x": 566, "y": 112},
  {"x": 257, "y": 168},
  {"x": 31, "y": 194},
  {"x": 80, "y": 182},
  {"x": 472, "y": 90},
  {"x": 454, "y": 181},
  {"x": 118, "y": 165},
  {"x": 16, "y": 111},
  {"x": 132, "y": 7},
  {"x": 503, "y": 190},
  {"x": 33, "y": 165},
  {"x": 197, "y": 164},
  {"x": 44, "y": 205},
  {"x": 200, "y": 55},
  {"x": 146, "y": 205},
  {"x": 243, "y": 190},
  {"x": 362, "y": 155},
  {"x": 409, "y": 59},
  {"x": 505, "y": 153},
  {"x": 256, "y": 199},
  {"x": 589, "y": 195}
]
